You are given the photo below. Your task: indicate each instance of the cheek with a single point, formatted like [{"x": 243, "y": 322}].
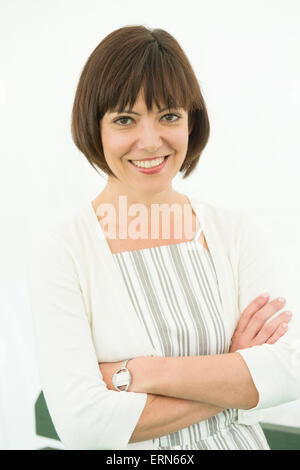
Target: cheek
[
  {"x": 115, "y": 146},
  {"x": 179, "y": 138}
]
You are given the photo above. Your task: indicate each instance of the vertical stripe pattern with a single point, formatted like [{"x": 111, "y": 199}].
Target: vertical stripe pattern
[{"x": 175, "y": 294}]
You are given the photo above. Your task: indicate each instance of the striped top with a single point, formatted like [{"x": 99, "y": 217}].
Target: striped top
[{"x": 175, "y": 294}]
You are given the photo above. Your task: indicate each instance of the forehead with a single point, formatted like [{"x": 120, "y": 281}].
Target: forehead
[
  {"x": 137, "y": 110},
  {"x": 140, "y": 107},
  {"x": 139, "y": 103}
]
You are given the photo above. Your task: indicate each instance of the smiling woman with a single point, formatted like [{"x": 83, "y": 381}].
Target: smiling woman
[
  {"x": 138, "y": 121},
  {"x": 167, "y": 305},
  {"x": 138, "y": 148},
  {"x": 130, "y": 62}
]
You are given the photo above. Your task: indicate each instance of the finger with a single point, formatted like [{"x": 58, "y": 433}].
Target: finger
[
  {"x": 281, "y": 330},
  {"x": 249, "y": 311},
  {"x": 258, "y": 320},
  {"x": 270, "y": 328}
]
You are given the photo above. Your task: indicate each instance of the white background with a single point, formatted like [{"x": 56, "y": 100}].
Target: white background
[{"x": 245, "y": 54}]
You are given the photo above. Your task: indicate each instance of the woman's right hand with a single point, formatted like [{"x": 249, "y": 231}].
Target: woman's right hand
[{"x": 252, "y": 330}]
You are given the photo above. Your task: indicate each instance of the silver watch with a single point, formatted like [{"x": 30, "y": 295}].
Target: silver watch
[{"x": 122, "y": 377}]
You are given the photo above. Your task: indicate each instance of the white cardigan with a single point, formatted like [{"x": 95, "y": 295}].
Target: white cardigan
[{"x": 83, "y": 315}]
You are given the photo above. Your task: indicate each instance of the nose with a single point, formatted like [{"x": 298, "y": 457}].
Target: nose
[{"x": 149, "y": 137}]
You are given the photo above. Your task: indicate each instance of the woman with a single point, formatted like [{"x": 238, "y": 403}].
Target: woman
[{"x": 204, "y": 350}]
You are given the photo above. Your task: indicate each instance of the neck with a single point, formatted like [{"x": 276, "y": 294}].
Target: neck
[{"x": 114, "y": 195}]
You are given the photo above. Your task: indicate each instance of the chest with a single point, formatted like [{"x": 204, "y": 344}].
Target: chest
[
  {"x": 116, "y": 330},
  {"x": 119, "y": 245},
  {"x": 175, "y": 296}
]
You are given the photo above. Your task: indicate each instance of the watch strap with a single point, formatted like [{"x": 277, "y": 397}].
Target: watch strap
[{"x": 122, "y": 377}]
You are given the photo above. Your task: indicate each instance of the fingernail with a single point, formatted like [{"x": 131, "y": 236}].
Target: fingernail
[
  {"x": 281, "y": 299},
  {"x": 265, "y": 294},
  {"x": 289, "y": 313}
]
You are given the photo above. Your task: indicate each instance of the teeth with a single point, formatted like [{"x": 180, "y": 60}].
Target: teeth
[{"x": 148, "y": 163}]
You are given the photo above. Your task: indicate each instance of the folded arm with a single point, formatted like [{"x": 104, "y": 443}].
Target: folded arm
[
  {"x": 221, "y": 380},
  {"x": 180, "y": 390},
  {"x": 165, "y": 415},
  {"x": 161, "y": 415}
]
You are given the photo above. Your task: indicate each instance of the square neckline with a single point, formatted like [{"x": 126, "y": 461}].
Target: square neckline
[
  {"x": 103, "y": 237},
  {"x": 194, "y": 240}
]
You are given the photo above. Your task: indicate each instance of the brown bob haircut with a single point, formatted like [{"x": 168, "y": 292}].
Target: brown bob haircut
[{"x": 126, "y": 61}]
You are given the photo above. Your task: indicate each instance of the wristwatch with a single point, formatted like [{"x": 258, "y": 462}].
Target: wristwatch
[{"x": 122, "y": 377}]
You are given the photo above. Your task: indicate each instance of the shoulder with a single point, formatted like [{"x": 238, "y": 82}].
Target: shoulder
[
  {"x": 237, "y": 229},
  {"x": 63, "y": 236},
  {"x": 224, "y": 216},
  {"x": 220, "y": 218},
  {"x": 241, "y": 230}
]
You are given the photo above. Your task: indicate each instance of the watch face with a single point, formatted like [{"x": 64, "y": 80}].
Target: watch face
[{"x": 122, "y": 378}]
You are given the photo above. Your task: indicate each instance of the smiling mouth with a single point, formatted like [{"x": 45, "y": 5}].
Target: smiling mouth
[
  {"x": 149, "y": 162},
  {"x": 148, "y": 159}
]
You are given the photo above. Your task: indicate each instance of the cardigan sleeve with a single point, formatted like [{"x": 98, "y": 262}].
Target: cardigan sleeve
[
  {"x": 85, "y": 413},
  {"x": 275, "y": 368}
]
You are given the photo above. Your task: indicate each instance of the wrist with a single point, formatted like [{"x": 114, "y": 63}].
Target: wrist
[
  {"x": 152, "y": 373},
  {"x": 145, "y": 371}
]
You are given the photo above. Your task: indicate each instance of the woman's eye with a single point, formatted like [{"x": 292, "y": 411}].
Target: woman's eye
[
  {"x": 172, "y": 115},
  {"x": 125, "y": 118}
]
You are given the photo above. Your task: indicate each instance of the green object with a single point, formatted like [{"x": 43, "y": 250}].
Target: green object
[
  {"x": 281, "y": 437},
  {"x": 43, "y": 422},
  {"x": 48, "y": 448}
]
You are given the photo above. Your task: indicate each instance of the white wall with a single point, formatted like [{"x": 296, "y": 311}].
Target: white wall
[{"x": 246, "y": 56}]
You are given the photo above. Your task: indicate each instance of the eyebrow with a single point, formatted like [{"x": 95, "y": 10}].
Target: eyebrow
[{"x": 128, "y": 111}]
